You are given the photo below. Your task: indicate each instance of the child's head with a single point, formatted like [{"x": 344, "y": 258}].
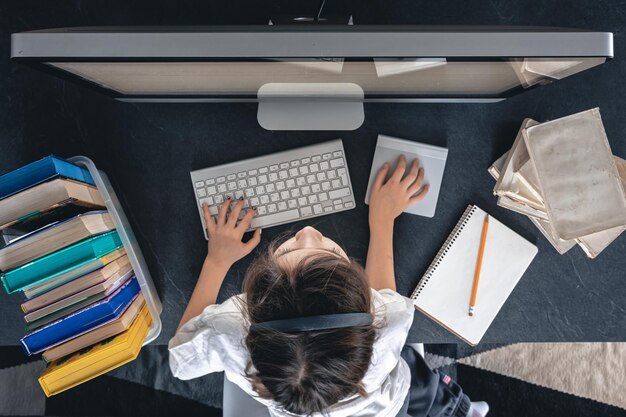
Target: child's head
[{"x": 307, "y": 372}]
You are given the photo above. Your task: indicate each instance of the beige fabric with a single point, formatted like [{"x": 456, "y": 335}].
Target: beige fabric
[{"x": 589, "y": 370}]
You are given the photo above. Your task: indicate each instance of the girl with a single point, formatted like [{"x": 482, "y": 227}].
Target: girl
[{"x": 314, "y": 333}]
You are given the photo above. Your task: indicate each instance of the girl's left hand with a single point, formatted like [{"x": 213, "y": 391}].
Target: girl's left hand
[{"x": 225, "y": 235}]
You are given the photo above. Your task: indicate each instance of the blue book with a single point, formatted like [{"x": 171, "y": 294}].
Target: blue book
[
  {"x": 61, "y": 261},
  {"x": 40, "y": 171},
  {"x": 81, "y": 321}
]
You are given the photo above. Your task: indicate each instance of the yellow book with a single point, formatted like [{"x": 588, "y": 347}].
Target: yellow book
[{"x": 96, "y": 359}]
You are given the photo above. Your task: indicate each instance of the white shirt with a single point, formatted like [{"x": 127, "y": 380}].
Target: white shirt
[{"x": 214, "y": 341}]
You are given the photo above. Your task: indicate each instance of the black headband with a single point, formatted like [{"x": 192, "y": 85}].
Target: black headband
[{"x": 310, "y": 323}]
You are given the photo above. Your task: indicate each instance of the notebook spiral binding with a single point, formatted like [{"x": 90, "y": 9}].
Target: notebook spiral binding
[{"x": 469, "y": 211}]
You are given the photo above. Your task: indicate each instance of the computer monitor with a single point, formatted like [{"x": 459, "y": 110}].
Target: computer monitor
[{"x": 313, "y": 77}]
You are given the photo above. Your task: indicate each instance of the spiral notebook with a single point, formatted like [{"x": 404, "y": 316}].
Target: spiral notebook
[{"x": 444, "y": 291}]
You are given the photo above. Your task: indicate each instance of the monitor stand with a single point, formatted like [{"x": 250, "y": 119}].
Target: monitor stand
[{"x": 310, "y": 106}]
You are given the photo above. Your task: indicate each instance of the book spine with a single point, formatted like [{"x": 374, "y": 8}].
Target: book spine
[{"x": 467, "y": 214}]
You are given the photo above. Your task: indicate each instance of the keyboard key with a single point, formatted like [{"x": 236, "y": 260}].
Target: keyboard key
[
  {"x": 328, "y": 209},
  {"x": 232, "y": 186},
  {"x": 238, "y": 194},
  {"x": 227, "y": 195},
  {"x": 302, "y": 201},
  {"x": 290, "y": 183},
  {"x": 314, "y": 168},
  {"x": 292, "y": 204},
  {"x": 219, "y": 199},
  {"x": 324, "y": 165},
  {"x": 293, "y": 172},
  {"x": 270, "y": 188},
  {"x": 337, "y": 154},
  {"x": 209, "y": 201},
  {"x": 263, "y": 170},
  {"x": 326, "y": 156},
  {"x": 316, "y": 188},
  {"x": 282, "y": 205},
  {"x": 317, "y": 209},
  {"x": 260, "y": 190},
  {"x": 252, "y": 181},
  {"x": 349, "y": 204},
  {"x": 300, "y": 181},
  {"x": 339, "y": 193},
  {"x": 262, "y": 179},
  {"x": 265, "y": 199},
  {"x": 221, "y": 188},
  {"x": 305, "y": 161},
  {"x": 306, "y": 211},
  {"x": 260, "y": 211},
  {"x": 273, "y": 168},
  {"x": 323, "y": 197},
  {"x": 336, "y": 163},
  {"x": 220, "y": 179},
  {"x": 199, "y": 184},
  {"x": 304, "y": 170},
  {"x": 326, "y": 186},
  {"x": 336, "y": 183},
  {"x": 339, "y": 206},
  {"x": 273, "y": 176},
  {"x": 201, "y": 192},
  {"x": 310, "y": 179},
  {"x": 210, "y": 181},
  {"x": 321, "y": 176},
  {"x": 280, "y": 185},
  {"x": 295, "y": 192},
  {"x": 252, "y": 172},
  {"x": 241, "y": 175},
  {"x": 283, "y": 175},
  {"x": 271, "y": 208},
  {"x": 306, "y": 190},
  {"x": 312, "y": 199},
  {"x": 231, "y": 177},
  {"x": 294, "y": 163},
  {"x": 254, "y": 201},
  {"x": 284, "y": 165},
  {"x": 211, "y": 190},
  {"x": 274, "y": 197},
  {"x": 242, "y": 183},
  {"x": 331, "y": 174},
  {"x": 344, "y": 180},
  {"x": 249, "y": 192},
  {"x": 283, "y": 216},
  {"x": 316, "y": 158},
  {"x": 284, "y": 195}
]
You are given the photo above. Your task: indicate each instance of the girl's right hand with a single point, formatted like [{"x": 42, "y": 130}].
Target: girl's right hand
[
  {"x": 225, "y": 234},
  {"x": 390, "y": 198}
]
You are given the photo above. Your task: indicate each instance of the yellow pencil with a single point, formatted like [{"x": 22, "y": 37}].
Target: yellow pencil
[{"x": 479, "y": 262}]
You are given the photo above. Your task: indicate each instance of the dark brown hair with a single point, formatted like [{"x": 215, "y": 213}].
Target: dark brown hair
[{"x": 307, "y": 372}]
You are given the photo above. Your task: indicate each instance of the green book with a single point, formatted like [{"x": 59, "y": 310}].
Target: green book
[{"x": 60, "y": 261}]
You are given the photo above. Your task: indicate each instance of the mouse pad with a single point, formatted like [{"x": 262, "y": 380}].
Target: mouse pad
[{"x": 432, "y": 159}]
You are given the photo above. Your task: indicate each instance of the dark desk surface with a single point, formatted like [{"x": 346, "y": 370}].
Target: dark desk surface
[{"x": 148, "y": 151}]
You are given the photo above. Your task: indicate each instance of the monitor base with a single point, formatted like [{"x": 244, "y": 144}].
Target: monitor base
[{"x": 310, "y": 106}]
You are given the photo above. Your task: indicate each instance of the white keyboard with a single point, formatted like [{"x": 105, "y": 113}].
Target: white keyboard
[{"x": 283, "y": 187}]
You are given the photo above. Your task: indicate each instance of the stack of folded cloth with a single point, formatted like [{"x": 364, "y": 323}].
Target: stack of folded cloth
[{"x": 564, "y": 177}]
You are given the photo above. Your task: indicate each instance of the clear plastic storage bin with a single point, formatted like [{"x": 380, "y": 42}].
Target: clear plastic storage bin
[{"x": 130, "y": 244}]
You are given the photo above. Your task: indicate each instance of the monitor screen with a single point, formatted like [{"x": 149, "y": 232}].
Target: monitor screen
[
  {"x": 434, "y": 77},
  {"x": 388, "y": 63}
]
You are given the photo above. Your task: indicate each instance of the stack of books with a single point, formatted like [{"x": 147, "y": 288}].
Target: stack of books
[
  {"x": 83, "y": 309},
  {"x": 564, "y": 177}
]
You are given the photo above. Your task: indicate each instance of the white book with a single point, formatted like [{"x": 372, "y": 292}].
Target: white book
[
  {"x": 581, "y": 187},
  {"x": 443, "y": 293}
]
